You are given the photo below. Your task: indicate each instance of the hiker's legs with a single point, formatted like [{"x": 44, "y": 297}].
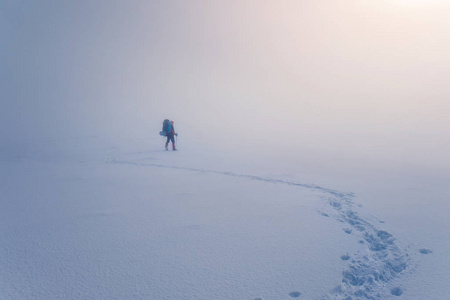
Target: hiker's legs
[
  {"x": 172, "y": 138},
  {"x": 167, "y": 142}
]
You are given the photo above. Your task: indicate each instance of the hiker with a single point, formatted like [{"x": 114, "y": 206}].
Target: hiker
[{"x": 169, "y": 130}]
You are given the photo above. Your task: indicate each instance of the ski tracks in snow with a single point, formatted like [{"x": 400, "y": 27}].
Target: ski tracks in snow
[{"x": 372, "y": 270}]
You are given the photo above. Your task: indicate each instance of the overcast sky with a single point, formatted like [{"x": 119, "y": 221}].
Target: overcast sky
[{"x": 351, "y": 75}]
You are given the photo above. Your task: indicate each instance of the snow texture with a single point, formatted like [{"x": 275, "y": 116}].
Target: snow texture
[
  {"x": 166, "y": 225},
  {"x": 377, "y": 263}
]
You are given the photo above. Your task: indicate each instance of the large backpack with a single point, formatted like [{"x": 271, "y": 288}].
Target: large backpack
[{"x": 166, "y": 126}]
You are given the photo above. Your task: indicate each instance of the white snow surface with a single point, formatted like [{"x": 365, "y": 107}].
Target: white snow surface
[{"x": 107, "y": 221}]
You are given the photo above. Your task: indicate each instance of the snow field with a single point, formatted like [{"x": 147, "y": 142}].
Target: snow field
[{"x": 130, "y": 223}]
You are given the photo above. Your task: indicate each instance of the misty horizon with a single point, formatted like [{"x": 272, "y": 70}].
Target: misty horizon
[{"x": 325, "y": 80}]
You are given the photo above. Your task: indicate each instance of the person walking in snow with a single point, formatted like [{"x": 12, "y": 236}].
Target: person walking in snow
[{"x": 170, "y": 133}]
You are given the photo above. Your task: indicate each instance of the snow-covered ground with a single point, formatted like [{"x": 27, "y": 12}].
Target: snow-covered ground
[
  {"x": 313, "y": 142},
  {"x": 129, "y": 221}
]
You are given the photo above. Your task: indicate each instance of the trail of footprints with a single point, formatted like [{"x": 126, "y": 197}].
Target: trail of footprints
[{"x": 378, "y": 261}]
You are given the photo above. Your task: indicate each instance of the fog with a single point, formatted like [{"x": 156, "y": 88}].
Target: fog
[{"x": 351, "y": 83}]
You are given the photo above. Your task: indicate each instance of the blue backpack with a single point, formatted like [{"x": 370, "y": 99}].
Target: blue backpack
[{"x": 167, "y": 126}]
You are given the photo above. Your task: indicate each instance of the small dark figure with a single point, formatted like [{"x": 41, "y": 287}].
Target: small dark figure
[{"x": 169, "y": 130}]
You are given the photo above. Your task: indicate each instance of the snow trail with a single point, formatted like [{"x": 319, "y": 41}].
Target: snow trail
[
  {"x": 371, "y": 270},
  {"x": 233, "y": 174}
]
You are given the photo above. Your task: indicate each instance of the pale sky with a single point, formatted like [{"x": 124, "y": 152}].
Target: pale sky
[{"x": 357, "y": 76}]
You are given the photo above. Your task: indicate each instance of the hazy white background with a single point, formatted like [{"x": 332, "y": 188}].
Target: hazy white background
[
  {"x": 350, "y": 95},
  {"x": 345, "y": 83}
]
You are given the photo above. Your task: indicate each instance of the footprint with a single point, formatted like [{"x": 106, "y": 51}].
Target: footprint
[
  {"x": 347, "y": 231},
  {"x": 336, "y": 204},
  {"x": 396, "y": 291},
  {"x": 360, "y": 228},
  {"x": 295, "y": 294},
  {"x": 425, "y": 251},
  {"x": 345, "y": 257},
  {"x": 384, "y": 235}
]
